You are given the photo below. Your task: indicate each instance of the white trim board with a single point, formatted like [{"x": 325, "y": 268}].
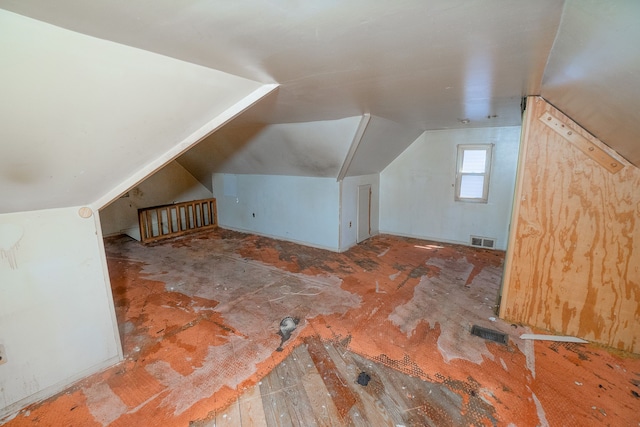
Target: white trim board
[
  {"x": 9, "y": 412},
  {"x": 284, "y": 239},
  {"x": 559, "y": 338}
]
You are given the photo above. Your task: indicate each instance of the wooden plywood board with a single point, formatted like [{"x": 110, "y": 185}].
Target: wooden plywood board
[{"x": 573, "y": 262}]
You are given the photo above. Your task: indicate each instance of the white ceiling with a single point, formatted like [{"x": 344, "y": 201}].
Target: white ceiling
[
  {"x": 411, "y": 65},
  {"x": 421, "y": 63}
]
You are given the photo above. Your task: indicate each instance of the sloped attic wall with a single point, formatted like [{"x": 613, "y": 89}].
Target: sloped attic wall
[
  {"x": 82, "y": 115},
  {"x": 573, "y": 263},
  {"x": 83, "y": 120}
]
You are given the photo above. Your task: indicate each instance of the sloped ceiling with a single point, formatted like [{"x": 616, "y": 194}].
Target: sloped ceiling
[
  {"x": 593, "y": 74},
  {"x": 424, "y": 63},
  {"x": 296, "y": 149},
  {"x": 383, "y": 140},
  {"x": 411, "y": 65},
  {"x": 81, "y": 115},
  {"x": 317, "y": 148}
]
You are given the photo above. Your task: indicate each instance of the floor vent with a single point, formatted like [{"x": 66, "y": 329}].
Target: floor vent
[
  {"x": 483, "y": 242},
  {"x": 489, "y": 334}
]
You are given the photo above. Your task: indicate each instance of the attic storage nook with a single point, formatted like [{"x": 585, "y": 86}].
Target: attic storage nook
[{"x": 166, "y": 221}]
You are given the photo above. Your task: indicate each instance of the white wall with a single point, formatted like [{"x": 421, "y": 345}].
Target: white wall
[
  {"x": 298, "y": 209},
  {"x": 417, "y": 189},
  {"x": 57, "y": 321},
  {"x": 171, "y": 184},
  {"x": 349, "y": 208}
]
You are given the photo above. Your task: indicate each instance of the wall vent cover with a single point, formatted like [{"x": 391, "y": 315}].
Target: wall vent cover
[{"x": 483, "y": 242}]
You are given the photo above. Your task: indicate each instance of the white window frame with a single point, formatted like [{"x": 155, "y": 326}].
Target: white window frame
[{"x": 486, "y": 174}]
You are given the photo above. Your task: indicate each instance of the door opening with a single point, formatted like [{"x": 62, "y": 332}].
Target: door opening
[{"x": 364, "y": 212}]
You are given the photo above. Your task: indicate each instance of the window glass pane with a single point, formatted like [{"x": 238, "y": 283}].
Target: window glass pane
[
  {"x": 472, "y": 186},
  {"x": 473, "y": 161}
]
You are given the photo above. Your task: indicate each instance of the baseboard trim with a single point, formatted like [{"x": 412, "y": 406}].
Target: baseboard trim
[{"x": 270, "y": 236}]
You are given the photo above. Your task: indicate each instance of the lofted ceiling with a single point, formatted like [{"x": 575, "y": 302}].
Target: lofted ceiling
[
  {"x": 409, "y": 65},
  {"x": 421, "y": 63}
]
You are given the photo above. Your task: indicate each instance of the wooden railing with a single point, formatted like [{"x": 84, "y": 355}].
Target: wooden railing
[{"x": 163, "y": 222}]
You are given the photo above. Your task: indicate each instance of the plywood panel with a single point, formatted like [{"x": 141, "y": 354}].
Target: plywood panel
[{"x": 573, "y": 262}]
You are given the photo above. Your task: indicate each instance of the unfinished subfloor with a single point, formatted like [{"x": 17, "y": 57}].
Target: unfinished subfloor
[{"x": 199, "y": 318}]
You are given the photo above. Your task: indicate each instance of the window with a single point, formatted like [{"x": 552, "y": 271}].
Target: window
[{"x": 472, "y": 173}]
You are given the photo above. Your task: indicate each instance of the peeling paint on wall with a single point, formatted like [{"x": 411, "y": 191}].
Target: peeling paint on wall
[{"x": 10, "y": 236}]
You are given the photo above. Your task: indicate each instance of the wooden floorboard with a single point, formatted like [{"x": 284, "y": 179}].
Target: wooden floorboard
[
  {"x": 317, "y": 385},
  {"x": 275, "y": 407},
  {"x": 293, "y": 394},
  {"x": 322, "y": 405},
  {"x": 369, "y": 409},
  {"x": 252, "y": 409},
  {"x": 318, "y": 378},
  {"x": 333, "y": 379},
  {"x": 407, "y": 398}
]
